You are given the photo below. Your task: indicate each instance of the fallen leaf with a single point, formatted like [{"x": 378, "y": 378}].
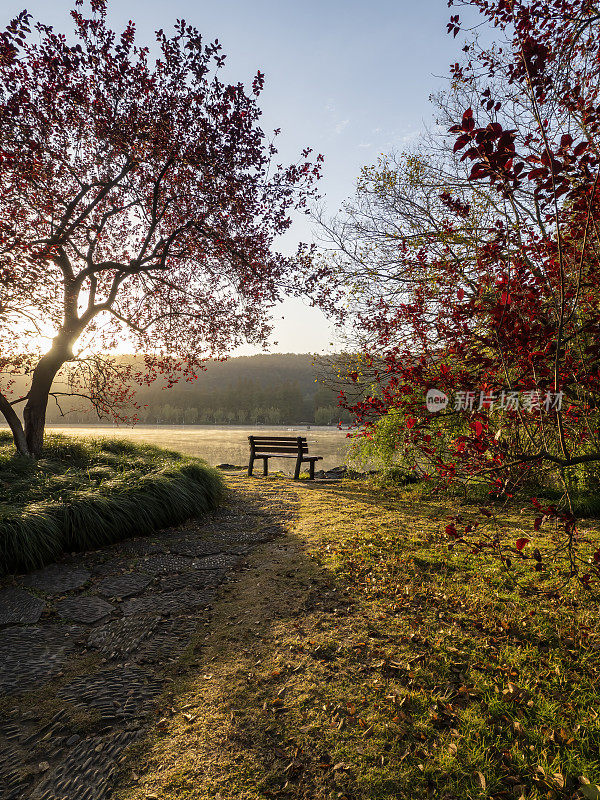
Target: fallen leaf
[
  {"x": 520, "y": 543},
  {"x": 559, "y": 779}
]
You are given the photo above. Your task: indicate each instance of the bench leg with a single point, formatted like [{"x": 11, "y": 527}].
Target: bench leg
[
  {"x": 312, "y": 471},
  {"x": 265, "y": 466},
  {"x": 250, "y": 466},
  {"x": 297, "y": 471}
]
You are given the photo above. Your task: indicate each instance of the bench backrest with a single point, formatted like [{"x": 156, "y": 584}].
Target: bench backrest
[{"x": 278, "y": 444}]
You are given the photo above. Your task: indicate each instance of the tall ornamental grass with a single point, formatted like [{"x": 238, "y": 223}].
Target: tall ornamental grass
[{"x": 84, "y": 494}]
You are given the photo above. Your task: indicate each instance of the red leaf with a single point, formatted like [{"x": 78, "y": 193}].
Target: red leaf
[
  {"x": 478, "y": 171},
  {"x": 468, "y": 123},
  {"x": 520, "y": 544},
  {"x": 541, "y": 172},
  {"x": 460, "y": 294},
  {"x": 410, "y": 422},
  {"x": 566, "y": 140},
  {"x": 537, "y": 523},
  {"x": 461, "y": 142},
  {"x": 478, "y": 428}
]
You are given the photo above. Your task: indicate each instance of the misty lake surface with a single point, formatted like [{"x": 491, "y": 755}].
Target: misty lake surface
[{"x": 226, "y": 444}]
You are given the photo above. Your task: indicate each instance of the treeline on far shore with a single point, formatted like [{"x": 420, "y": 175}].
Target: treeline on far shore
[
  {"x": 246, "y": 403},
  {"x": 276, "y": 389}
]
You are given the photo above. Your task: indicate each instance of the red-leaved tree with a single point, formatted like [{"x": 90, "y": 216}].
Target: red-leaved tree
[
  {"x": 504, "y": 322},
  {"x": 138, "y": 198}
]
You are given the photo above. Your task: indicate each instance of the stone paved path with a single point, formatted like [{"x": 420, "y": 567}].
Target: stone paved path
[{"x": 87, "y": 645}]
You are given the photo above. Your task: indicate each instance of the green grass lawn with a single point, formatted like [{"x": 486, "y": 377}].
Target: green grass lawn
[
  {"x": 84, "y": 493},
  {"x": 358, "y": 659}
]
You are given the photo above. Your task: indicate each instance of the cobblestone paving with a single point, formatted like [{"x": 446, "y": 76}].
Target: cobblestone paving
[{"x": 88, "y": 644}]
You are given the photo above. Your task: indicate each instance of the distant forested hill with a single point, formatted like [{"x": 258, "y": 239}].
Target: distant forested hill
[{"x": 272, "y": 389}]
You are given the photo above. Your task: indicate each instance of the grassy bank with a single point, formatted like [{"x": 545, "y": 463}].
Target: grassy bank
[
  {"x": 357, "y": 659},
  {"x": 83, "y": 493}
]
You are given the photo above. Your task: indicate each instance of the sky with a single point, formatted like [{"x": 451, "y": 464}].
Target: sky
[{"x": 348, "y": 78}]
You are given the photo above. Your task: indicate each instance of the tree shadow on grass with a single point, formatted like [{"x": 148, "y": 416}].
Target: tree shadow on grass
[
  {"x": 228, "y": 727},
  {"x": 264, "y": 707}
]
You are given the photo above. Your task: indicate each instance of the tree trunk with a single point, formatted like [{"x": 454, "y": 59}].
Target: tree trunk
[
  {"x": 34, "y": 413},
  {"x": 35, "y": 423},
  {"x": 15, "y": 425}
]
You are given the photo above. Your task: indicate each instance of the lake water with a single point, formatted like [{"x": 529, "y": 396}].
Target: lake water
[{"x": 223, "y": 444}]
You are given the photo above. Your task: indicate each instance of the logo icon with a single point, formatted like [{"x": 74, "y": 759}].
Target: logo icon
[{"x": 436, "y": 400}]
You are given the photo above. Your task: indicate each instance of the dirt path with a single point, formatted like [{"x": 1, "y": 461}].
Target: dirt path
[{"x": 90, "y": 647}]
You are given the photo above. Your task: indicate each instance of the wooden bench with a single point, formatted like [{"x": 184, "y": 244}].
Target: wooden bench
[{"x": 267, "y": 447}]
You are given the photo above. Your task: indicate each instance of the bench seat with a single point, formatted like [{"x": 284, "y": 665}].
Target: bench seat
[{"x": 267, "y": 447}]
